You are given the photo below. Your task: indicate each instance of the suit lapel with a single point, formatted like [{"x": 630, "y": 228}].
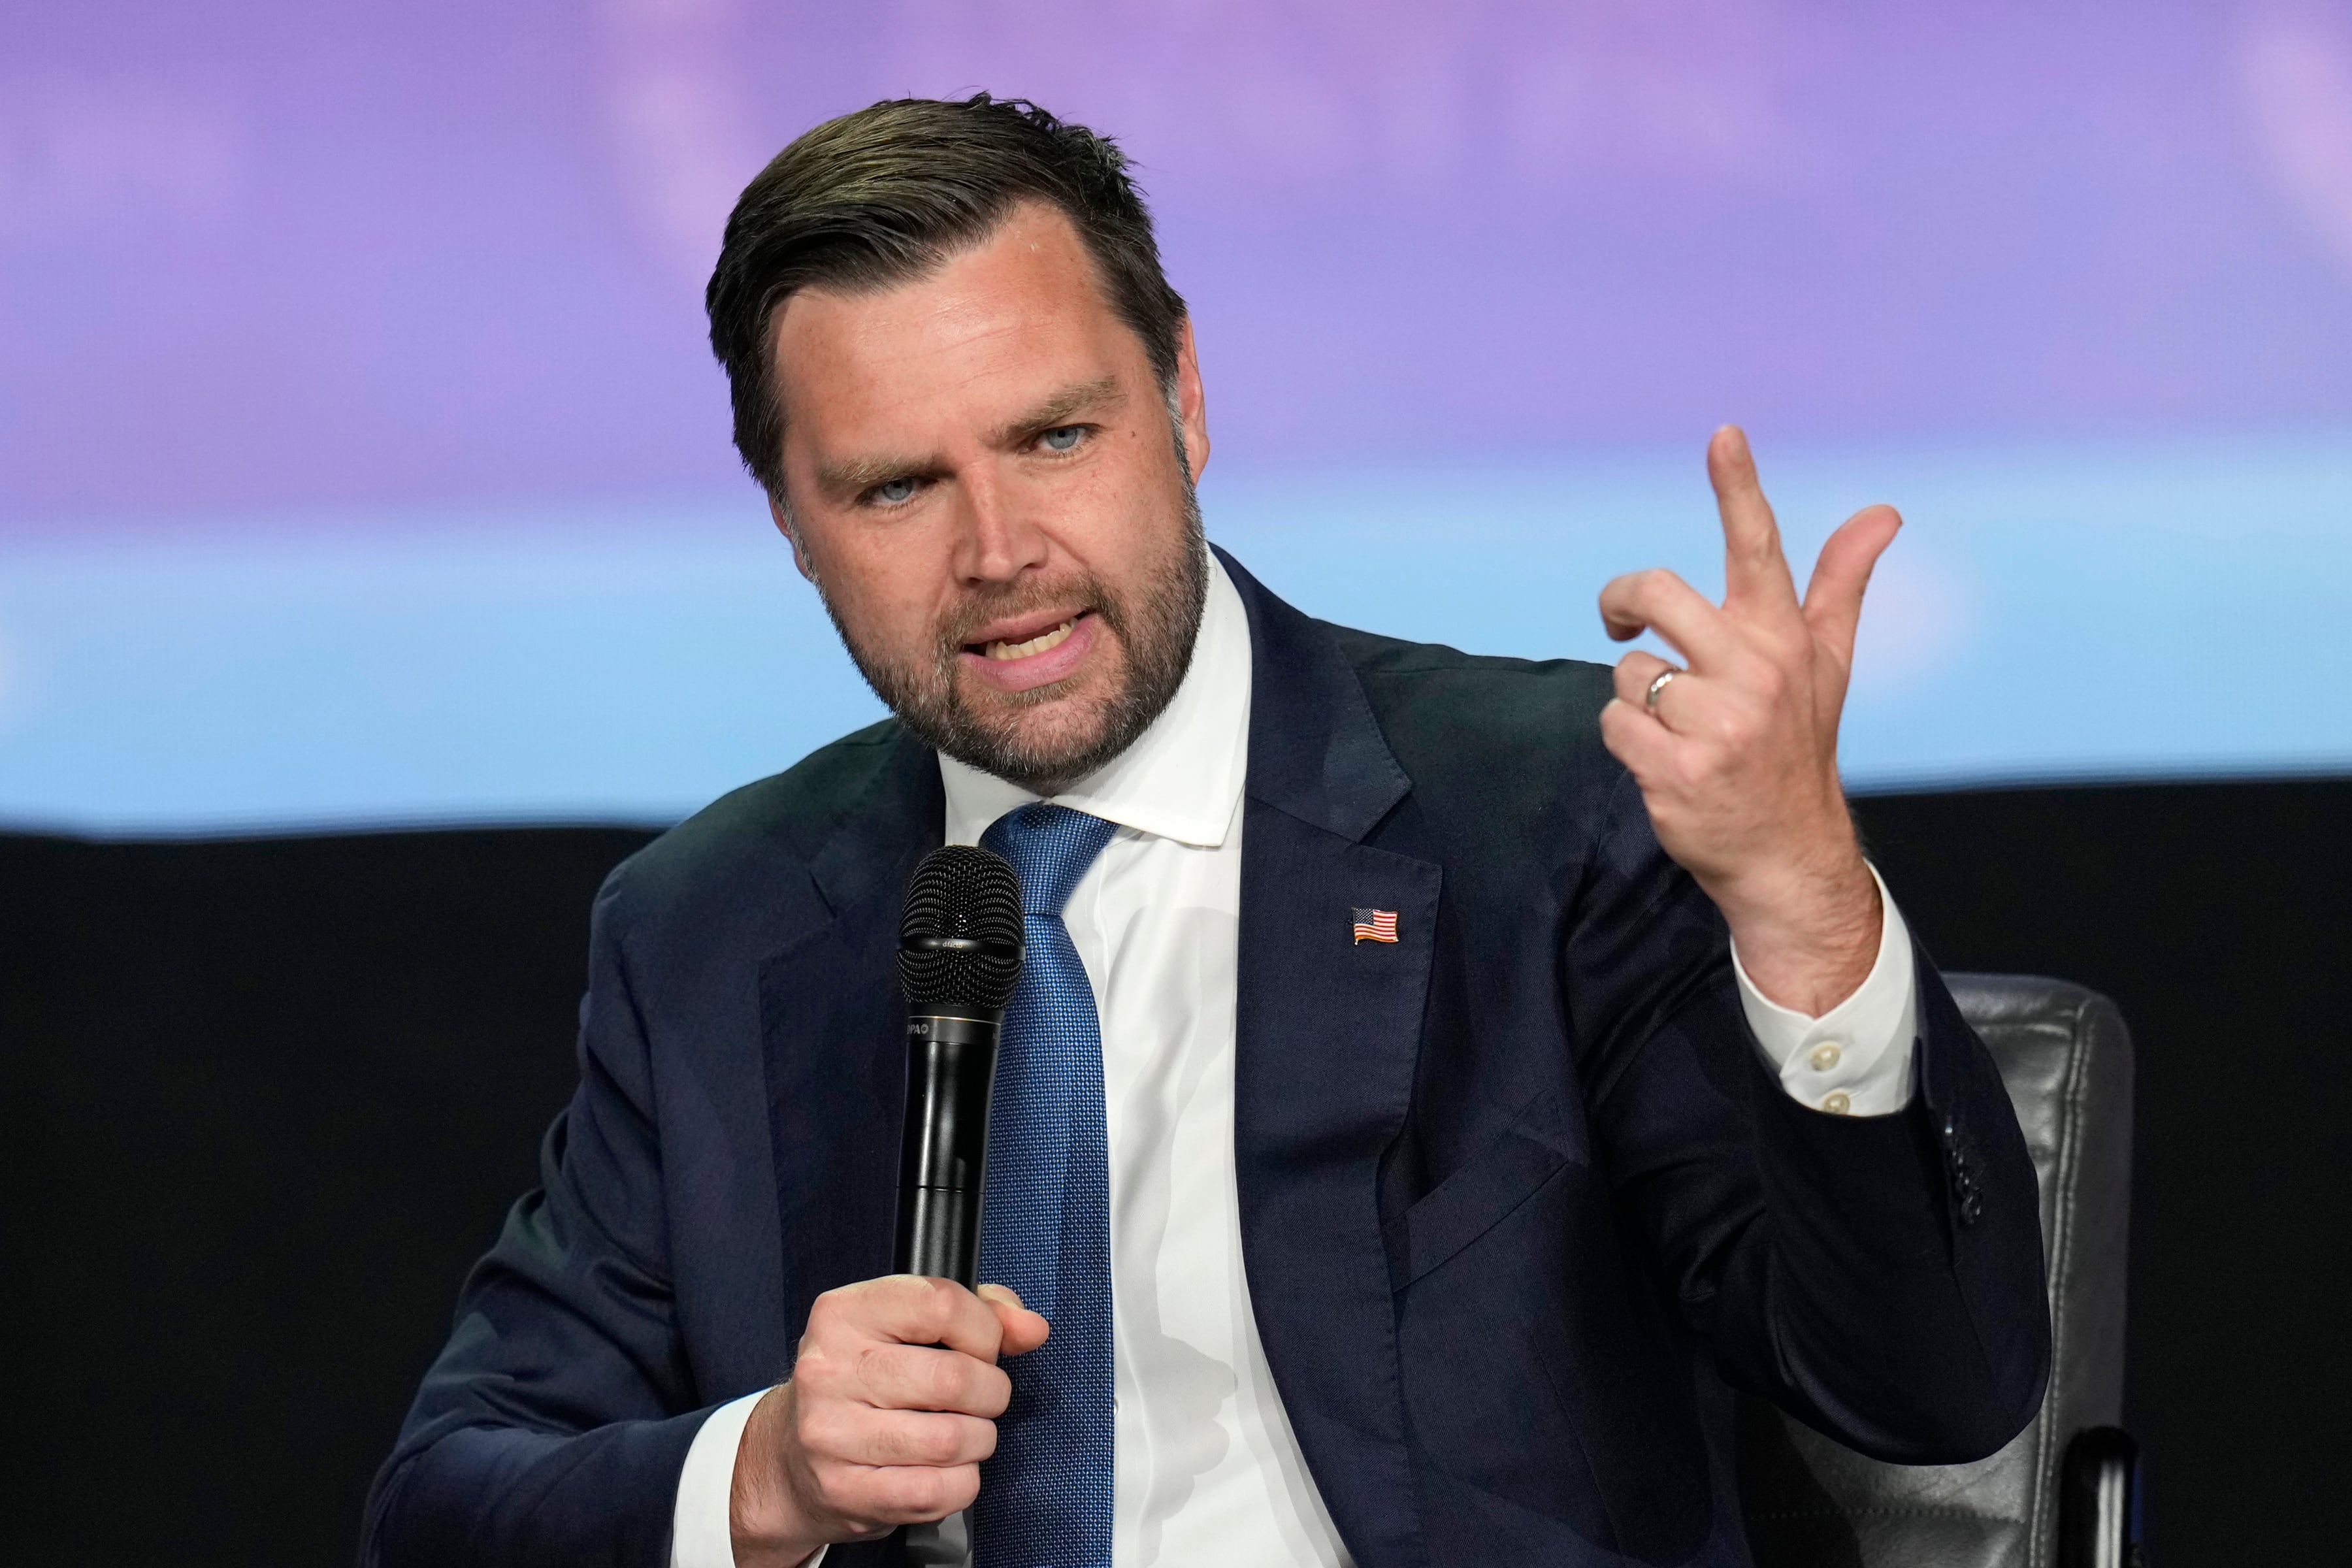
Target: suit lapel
[
  {"x": 1327, "y": 1032},
  {"x": 833, "y": 1029}
]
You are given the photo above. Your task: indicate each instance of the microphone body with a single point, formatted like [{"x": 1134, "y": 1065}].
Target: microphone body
[
  {"x": 959, "y": 961},
  {"x": 943, "y": 1155}
]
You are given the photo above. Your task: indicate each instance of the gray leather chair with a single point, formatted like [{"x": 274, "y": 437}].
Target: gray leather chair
[{"x": 2066, "y": 1058}]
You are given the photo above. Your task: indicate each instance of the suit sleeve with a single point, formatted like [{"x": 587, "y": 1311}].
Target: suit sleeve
[
  {"x": 555, "y": 1425},
  {"x": 1879, "y": 1278}
]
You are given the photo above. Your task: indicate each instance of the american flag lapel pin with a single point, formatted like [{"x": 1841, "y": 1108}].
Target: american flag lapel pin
[{"x": 1375, "y": 925}]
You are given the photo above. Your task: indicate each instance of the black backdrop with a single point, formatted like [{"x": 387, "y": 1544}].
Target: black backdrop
[{"x": 265, "y": 1099}]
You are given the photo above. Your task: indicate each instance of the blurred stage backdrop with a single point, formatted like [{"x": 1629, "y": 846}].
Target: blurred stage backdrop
[{"x": 362, "y": 460}]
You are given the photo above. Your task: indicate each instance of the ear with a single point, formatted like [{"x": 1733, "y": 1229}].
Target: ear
[
  {"x": 1191, "y": 401},
  {"x": 792, "y": 536}
]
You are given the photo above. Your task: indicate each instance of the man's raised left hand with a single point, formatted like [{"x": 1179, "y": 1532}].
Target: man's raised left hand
[{"x": 1737, "y": 753}]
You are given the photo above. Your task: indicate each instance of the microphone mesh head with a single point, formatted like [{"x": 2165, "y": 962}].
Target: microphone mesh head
[{"x": 960, "y": 938}]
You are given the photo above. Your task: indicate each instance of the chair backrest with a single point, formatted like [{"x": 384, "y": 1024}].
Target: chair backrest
[{"x": 2066, "y": 1058}]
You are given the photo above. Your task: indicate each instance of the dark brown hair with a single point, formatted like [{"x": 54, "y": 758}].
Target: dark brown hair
[{"x": 881, "y": 197}]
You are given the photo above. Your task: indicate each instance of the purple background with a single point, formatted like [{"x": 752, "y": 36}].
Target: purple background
[
  {"x": 362, "y": 460},
  {"x": 273, "y": 256}
]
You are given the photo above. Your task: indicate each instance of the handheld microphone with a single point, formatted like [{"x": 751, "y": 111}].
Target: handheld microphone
[{"x": 958, "y": 960}]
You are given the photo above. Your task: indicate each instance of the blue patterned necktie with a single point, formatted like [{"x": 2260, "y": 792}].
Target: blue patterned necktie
[{"x": 1045, "y": 1495}]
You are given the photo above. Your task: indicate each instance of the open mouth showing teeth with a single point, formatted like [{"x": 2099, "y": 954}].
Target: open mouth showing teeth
[{"x": 1041, "y": 643}]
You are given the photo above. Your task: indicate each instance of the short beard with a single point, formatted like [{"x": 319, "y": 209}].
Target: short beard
[{"x": 1156, "y": 631}]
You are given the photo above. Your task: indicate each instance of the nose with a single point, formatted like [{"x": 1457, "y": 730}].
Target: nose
[{"x": 995, "y": 543}]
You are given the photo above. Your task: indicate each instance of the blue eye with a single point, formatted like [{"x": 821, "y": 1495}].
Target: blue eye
[
  {"x": 891, "y": 492},
  {"x": 1062, "y": 437}
]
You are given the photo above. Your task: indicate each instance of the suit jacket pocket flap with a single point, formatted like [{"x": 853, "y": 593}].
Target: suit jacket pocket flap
[{"x": 1476, "y": 1198}]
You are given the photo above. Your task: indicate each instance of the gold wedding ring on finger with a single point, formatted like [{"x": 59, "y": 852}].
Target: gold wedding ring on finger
[{"x": 1657, "y": 684}]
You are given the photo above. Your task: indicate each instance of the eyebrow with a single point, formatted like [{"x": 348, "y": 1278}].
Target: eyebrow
[
  {"x": 1101, "y": 395},
  {"x": 858, "y": 475},
  {"x": 854, "y": 475}
]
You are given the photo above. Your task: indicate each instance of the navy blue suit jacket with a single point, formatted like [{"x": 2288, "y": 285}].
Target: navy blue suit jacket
[{"x": 1518, "y": 1201}]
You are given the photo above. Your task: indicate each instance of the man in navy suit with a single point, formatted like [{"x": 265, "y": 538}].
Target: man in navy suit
[{"x": 1437, "y": 1081}]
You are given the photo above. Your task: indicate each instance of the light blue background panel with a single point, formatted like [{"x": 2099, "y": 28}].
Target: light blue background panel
[{"x": 2048, "y": 611}]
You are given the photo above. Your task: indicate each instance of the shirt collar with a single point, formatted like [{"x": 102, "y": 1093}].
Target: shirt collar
[{"x": 1182, "y": 777}]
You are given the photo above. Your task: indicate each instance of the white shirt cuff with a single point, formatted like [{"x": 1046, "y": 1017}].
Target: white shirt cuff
[
  {"x": 701, "y": 1532},
  {"x": 1855, "y": 1058}
]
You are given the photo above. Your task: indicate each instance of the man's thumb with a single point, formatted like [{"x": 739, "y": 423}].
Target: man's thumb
[
  {"x": 1833, "y": 597},
  {"x": 1024, "y": 1329}
]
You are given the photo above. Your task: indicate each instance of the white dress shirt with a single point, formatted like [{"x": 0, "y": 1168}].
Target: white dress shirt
[{"x": 1206, "y": 1467}]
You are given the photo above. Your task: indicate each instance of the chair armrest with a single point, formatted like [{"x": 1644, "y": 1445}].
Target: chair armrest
[{"x": 2098, "y": 1500}]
